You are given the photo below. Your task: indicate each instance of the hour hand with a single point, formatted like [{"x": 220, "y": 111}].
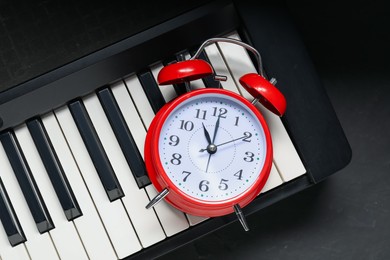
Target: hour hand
[{"x": 206, "y": 133}]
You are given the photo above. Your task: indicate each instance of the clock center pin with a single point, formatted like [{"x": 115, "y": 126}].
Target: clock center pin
[{"x": 211, "y": 148}]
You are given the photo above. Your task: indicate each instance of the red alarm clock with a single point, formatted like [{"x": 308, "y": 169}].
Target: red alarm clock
[{"x": 209, "y": 152}]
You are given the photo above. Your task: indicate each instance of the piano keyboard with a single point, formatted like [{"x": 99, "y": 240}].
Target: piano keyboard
[{"x": 73, "y": 183}]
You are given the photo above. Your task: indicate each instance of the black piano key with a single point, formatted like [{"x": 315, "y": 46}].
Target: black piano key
[
  {"x": 26, "y": 182},
  {"x": 152, "y": 90},
  {"x": 208, "y": 81},
  {"x": 124, "y": 137},
  {"x": 96, "y": 151},
  {"x": 9, "y": 219},
  {"x": 169, "y": 60},
  {"x": 54, "y": 169}
]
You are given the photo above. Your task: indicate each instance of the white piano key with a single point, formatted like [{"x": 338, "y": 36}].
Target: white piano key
[
  {"x": 39, "y": 246},
  {"x": 138, "y": 95},
  {"x": 64, "y": 235},
  {"x": 195, "y": 220},
  {"x": 197, "y": 84},
  {"x": 113, "y": 214},
  {"x": 145, "y": 222},
  {"x": 273, "y": 181},
  {"x": 89, "y": 226},
  {"x": 220, "y": 68},
  {"x": 286, "y": 157},
  {"x": 130, "y": 114},
  {"x": 172, "y": 220},
  {"x": 170, "y": 93}
]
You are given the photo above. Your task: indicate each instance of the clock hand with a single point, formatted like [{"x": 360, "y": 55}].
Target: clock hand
[
  {"x": 242, "y": 137},
  {"x": 239, "y": 138},
  {"x": 206, "y": 133},
  {"x": 216, "y": 129},
  {"x": 208, "y": 162},
  {"x": 211, "y": 147}
]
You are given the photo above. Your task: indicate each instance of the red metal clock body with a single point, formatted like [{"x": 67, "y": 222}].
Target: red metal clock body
[{"x": 211, "y": 149}]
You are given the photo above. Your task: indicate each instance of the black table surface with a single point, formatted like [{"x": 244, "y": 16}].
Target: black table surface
[{"x": 344, "y": 217}]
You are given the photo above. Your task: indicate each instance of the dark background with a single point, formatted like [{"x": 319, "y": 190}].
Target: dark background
[{"x": 346, "y": 216}]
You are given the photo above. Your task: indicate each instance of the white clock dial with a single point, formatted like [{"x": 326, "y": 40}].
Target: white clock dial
[{"x": 212, "y": 147}]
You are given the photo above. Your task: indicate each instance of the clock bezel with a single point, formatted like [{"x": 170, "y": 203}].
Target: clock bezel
[{"x": 178, "y": 198}]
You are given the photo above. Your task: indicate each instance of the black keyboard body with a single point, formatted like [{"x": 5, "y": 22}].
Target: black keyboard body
[{"x": 310, "y": 119}]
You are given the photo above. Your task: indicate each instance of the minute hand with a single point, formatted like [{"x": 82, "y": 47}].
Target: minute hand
[{"x": 242, "y": 137}]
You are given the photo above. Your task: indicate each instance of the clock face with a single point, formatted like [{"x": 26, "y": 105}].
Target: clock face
[{"x": 212, "y": 147}]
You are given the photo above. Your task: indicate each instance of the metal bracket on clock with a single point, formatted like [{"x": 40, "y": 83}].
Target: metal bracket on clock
[
  {"x": 158, "y": 198},
  {"x": 241, "y": 217}
]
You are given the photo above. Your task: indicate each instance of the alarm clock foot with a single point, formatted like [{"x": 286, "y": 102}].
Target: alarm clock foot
[
  {"x": 241, "y": 217},
  {"x": 158, "y": 198}
]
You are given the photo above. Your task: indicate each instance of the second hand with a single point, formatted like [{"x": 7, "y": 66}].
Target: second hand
[{"x": 242, "y": 137}]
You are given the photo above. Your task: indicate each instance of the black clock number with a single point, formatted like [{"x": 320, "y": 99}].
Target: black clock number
[
  {"x": 223, "y": 184},
  {"x": 174, "y": 140},
  {"x": 186, "y": 175},
  {"x": 201, "y": 114},
  {"x": 247, "y": 137},
  {"x": 176, "y": 159},
  {"x": 238, "y": 175},
  {"x": 249, "y": 157},
  {"x": 222, "y": 112},
  {"x": 186, "y": 125},
  {"x": 204, "y": 185},
  {"x": 236, "y": 123}
]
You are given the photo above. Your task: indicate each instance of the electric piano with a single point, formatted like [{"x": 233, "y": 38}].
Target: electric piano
[{"x": 73, "y": 183}]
